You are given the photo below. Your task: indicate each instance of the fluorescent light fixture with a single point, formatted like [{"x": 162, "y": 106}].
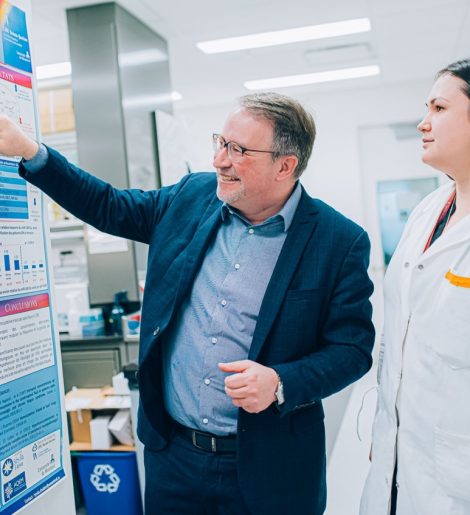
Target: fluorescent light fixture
[
  {"x": 151, "y": 100},
  {"x": 313, "y": 78},
  {"x": 282, "y": 37},
  {"x": 50, "y": 71}
]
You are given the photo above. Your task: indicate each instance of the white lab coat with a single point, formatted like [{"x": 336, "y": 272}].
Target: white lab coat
[{"x": 424, "y": 373}]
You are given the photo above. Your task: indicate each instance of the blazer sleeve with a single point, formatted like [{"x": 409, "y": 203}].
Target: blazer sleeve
[
  {"x": 128, "y": 213},
  {"x": 347, "y": 337}
]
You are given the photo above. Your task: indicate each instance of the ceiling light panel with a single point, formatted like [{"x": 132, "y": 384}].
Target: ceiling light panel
[
  {"x": 283, "y": 37},
  {"x": 313, "y": 78}
]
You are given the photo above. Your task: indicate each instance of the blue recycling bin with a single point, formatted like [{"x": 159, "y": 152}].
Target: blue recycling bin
[{"x": 109, "y": 482}]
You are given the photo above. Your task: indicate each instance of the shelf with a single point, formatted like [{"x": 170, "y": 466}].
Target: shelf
[
  {"x": 86, "y": 446},
  {"x": 66, "y": 225},
  {"x": 66, "y": 234}
]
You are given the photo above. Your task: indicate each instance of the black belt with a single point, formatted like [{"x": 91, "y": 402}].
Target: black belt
[{"x": 207, "y": 441}]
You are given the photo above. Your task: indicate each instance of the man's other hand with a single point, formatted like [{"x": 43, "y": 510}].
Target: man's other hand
[
  {"x": 14, "y": 142},
  {"x": 251, "y": 386}
]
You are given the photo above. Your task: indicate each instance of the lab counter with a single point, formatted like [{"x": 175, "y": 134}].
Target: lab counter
[{"x": 91, "y": 362}]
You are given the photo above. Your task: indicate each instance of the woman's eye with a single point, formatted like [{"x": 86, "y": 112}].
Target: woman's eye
[{"x": 439, "y": 108}]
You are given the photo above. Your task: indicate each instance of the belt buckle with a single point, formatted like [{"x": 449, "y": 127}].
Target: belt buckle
[{"x": 213, "y": 441}]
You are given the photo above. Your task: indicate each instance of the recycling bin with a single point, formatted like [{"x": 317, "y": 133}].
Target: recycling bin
[{"x": 110, "y": 483}]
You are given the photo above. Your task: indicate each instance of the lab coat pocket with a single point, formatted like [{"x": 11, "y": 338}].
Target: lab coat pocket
[
  {"x": 452, "y": 322},
  {"x": 452, "y": 459}
]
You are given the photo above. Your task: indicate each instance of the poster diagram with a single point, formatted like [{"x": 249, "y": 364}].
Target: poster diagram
[{"x": 30, "y": 402}]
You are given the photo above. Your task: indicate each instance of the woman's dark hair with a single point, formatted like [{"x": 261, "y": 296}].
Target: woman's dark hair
[{"x": 461, "y": 70}]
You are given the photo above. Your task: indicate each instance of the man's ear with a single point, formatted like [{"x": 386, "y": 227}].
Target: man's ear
[{"x": 287, "y": 167}]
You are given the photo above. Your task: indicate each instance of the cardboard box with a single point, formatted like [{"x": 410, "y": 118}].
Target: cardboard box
[
  {"x": 85, "y": 405},
  {"x": 121, "y": 427},
  {"x": 80, "y": 425},
  {"x": 100, "y": 435}
]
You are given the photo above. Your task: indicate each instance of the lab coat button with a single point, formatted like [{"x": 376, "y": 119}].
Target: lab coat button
[
  {"x": 420, "y": 267},
  {"x": 156, "y": 332},
  {"x": 407, "y": 264}
]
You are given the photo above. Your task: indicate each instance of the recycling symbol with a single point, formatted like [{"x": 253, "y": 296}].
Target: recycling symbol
[{"x": 105, "y": 479}]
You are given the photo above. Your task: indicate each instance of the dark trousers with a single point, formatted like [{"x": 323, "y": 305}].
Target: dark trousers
[{"x": 184, "y": 480}]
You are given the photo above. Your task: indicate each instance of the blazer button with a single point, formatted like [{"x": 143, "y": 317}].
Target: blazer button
[{"x": 156, "y": 332}]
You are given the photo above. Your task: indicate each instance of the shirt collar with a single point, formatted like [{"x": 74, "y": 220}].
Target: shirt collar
[{"x": 287, "y": 211}]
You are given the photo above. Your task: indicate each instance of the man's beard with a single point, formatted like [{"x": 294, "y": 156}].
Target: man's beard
[{"x": 231, "y": 198}]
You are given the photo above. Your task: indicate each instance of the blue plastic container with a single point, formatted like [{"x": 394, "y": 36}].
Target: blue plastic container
[{"x": 110, "y": 482}]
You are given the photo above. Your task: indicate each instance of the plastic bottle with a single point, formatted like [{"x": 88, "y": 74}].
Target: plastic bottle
[
  {"x": 73, "y": 315},
  {"x": 117, "y": 312}
]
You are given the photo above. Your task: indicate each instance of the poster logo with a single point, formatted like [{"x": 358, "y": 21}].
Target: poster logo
[
  {"x": 15, "y": 486},
  {"x": 7, "y": 467}
]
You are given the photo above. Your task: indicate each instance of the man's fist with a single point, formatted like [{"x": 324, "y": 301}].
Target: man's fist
[
  {"x": 14, "y": 142},
  {"x": 251, "y": 385}
]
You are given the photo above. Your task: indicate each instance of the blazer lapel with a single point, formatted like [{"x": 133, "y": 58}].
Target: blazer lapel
[
  {"x": 210, "y": 222},
  {"x": 303, "y": 226}
]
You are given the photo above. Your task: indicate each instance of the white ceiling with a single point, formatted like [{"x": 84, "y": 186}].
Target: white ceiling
[{"x": 410, "y": 40}]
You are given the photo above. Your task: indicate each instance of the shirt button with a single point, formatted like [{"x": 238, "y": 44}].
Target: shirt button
[
  {"x": 223, "y": 302},
  {"x": 156, "y": 332},
  {"x": 251, "y": 231},
  {"x": 207, "y": 381},
  {"x": 214, "y": 340},
  {"x": 237, "y": 266},
  {"x": 205, "y": 420},
  {"x": 420, "y": 267},
  {"x": 407, "y": 264}
]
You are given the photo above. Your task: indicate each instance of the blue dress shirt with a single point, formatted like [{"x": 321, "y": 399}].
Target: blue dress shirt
[{"x": 218, "y": 318}]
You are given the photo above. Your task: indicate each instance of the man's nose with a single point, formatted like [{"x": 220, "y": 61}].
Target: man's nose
[{"x": 222, "y": 159}]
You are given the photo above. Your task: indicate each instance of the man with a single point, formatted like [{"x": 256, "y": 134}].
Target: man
[{"x": 256, "y": 308}]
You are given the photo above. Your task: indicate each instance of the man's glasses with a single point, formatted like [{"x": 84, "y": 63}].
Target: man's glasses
[{"x": 234, "y": 150}]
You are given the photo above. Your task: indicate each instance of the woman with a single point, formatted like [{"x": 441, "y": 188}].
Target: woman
[{"x": 421, "y": 437}]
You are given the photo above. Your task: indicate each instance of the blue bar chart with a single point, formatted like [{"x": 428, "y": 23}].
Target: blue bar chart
[
  {"x": 13, "y": 192},
  {"x": 21, "y": 268}
]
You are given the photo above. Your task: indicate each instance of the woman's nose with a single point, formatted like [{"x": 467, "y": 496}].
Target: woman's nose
[{"x": 424, "y": 125}]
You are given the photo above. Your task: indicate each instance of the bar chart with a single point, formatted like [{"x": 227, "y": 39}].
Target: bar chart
[
  {"x": 13, "y": 192},
  {"x": 21, "y": 268}
]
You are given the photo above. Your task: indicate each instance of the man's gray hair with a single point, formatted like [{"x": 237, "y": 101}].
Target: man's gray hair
[{"x": 293, "y": 127}]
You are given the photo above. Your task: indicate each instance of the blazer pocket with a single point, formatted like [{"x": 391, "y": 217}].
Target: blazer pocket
[
  {"x": 302, "y": 294},
  {"x": 306, "y": 419},
  {"x": 452, "y": 458}
]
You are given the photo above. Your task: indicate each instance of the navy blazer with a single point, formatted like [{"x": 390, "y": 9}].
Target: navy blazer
[{"x": 314, "y": 326}]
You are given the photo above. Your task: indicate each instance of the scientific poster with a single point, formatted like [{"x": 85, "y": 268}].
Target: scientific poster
[{"x": 30, "y": 402}]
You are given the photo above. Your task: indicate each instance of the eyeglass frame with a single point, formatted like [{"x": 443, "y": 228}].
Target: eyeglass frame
[{"x": 229, "y": 146}]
